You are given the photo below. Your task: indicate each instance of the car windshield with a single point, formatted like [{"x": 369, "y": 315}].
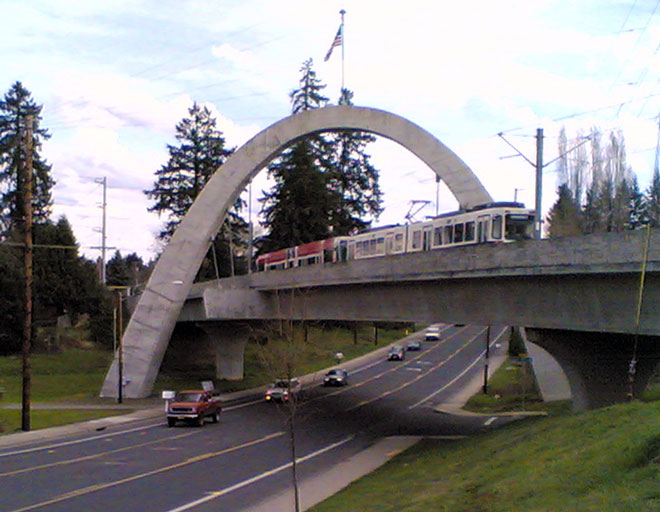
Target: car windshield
[
  {"x": 333, "y": 372},
  {"x": 188, "y": 397}
]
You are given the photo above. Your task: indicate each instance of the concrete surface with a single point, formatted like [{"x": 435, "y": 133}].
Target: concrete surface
[
  {"x": 322, "y": 485},
  {"x": 152, "y": 323}
]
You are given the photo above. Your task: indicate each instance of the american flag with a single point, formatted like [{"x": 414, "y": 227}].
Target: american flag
[{"x": 336, "y": 42}]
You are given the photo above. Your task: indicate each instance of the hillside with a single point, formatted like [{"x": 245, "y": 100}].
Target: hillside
[{"x": 605, "y": 460}]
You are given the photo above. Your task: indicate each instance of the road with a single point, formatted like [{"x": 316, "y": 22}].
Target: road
[{"x": 233, "y": 465}]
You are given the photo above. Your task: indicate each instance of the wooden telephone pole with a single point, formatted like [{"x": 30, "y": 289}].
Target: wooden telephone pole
[{"x": 26, "y": 170}]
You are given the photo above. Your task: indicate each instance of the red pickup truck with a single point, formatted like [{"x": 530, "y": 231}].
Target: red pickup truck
[{"x": 194, "y": 407}]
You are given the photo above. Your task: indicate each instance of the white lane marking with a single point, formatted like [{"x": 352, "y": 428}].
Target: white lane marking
[
  {"x": 489, "y": 421},
  {"x": 240, "y": 406},
  {"x": 78, "y": 441},
  {"x": 478, "y": 359},
  {"x": 410, "y": 369},
  {"x": 216, "y": 494}
]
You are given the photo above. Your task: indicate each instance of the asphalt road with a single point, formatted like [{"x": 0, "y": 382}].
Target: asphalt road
[{"x": 232, "y": 465}]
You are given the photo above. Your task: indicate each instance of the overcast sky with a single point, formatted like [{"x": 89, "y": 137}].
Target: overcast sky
[{"x": 115, "y": 77}]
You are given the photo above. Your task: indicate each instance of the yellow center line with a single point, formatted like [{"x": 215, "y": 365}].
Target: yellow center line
[
  {"x": 391, "y": 370},
  {"x": 421, "y": 375},
  {"x": 95, "y": 456},
  {"x": 98, "y": 487}
]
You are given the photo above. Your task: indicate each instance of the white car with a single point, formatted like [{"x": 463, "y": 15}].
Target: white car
[
  {"x": 282, "y": 389},
  {"x": 432, "y": 334}
]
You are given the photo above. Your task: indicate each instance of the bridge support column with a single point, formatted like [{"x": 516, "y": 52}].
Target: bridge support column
[
  {"x": 229, "y": 341},
  {"x": 596, "y": 364}
]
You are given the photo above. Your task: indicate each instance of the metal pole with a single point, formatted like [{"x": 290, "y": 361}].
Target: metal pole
[
  {"x": 485, "y": 388},
  {"x": 120, "y": 358},
  {"x": 103, "y": 232},
  {"x": 250, "y": 234},
  {"x": 538, "y": 220},
  {"x": 27, "y": 326},
  {"x": 343, "y": 38}
]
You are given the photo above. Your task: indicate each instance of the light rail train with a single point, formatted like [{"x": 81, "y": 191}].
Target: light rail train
[{"x": 492, "y": 223}]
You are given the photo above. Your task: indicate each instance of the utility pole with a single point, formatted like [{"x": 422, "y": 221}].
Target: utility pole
[
  {"x": 27, "y": 327},
  {"x": 104, "y": 183},
  {"x": 539, "y": 165},
  {"x": 539, "y": 183}
]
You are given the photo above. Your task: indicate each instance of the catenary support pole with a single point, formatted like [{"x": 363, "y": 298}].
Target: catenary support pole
[{"x": 538, "y": 220}]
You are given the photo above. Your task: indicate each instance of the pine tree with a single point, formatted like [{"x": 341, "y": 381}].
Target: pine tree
[
  {"x": 637, "y": 215},
  {"x": 354, "y": 179},
  {"x": 652, "y": 200},
  {"x": 191, "y": 165},
  {"x": 564, "y": 216},
  {"x": 15, "y": 110},
  {"x": 299, "y": 207},
  {"x": 325, "y": 185}
]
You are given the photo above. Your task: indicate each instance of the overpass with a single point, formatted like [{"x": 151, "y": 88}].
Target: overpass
[
  {"x": 557, "y": 288},
  {"x": 577, "y": 298}
]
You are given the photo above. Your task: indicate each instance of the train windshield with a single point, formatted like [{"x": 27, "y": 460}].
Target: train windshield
[{"x": 519, "y": 227}]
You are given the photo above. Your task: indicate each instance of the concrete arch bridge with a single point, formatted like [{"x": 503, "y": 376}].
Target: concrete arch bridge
[{"x": 567, "y": 292}]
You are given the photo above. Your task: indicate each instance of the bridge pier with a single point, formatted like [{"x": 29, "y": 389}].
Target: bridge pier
[
  {"x": 229, "y": 341},
  {"x": 596, "y": 364}
]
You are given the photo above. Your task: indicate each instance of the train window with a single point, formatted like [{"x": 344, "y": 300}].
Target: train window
[
  {"x": 469, "y": 231},
  {"x": 417, "y": 239},
  {"x": 459, "y": 230},
  {"x": 437, "y": 236},
  {"x": 398, "y": 242},
  {"x": 380, "y": 246},
  {"x": 449, "y": 235},
  {"x": 372, "y": 246},
  {"x": 518, "y": 227},
  {"x": 497, "y": 227},
  {"x": 359, "y": 249}
]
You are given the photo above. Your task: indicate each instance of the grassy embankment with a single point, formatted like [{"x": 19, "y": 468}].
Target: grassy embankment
[
  {"x": 606, "y": 460},
  {"x": 76, "y": 375}
]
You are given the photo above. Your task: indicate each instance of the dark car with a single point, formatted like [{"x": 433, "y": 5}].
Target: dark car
[
  {"x": 396, "y": 353},
  {"x": 414, "y": 345},
  {"x": 336, "y": 377}
]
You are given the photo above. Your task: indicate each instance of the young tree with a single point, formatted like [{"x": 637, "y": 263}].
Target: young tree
[
  {"x": 191, "y": 164},
  {"x": 15, "y": 110}
]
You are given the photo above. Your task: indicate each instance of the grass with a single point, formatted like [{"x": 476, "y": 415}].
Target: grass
[
  {"x": 76, "y": 375},
  {"x": 603, "y": 461},
  {"x": 315, "y": 354}
]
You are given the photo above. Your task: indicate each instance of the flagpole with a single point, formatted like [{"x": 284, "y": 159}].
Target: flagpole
[{"x": 343, "y": 38}]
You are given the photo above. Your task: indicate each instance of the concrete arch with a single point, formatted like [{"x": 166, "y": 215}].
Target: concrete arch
[{"x": 152, "y": 322}]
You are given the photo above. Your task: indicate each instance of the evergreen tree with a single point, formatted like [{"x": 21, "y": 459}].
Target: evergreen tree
[
  {"x": 299, "y": 207},
  {"x": 191, "y": 165},
  {"x": 325, "y": 185},
  {"x": 637, "y": 215},
  {"x": 564, "y": 216},
  {"x": 652, "y": 200},
  {"x": 11, "y": 300},
  {"x": 354, "y": 179},
  {"x": 15, "y": 109}
]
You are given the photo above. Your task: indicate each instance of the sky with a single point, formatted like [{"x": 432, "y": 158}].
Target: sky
[{"x": 115, "y": 77}]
